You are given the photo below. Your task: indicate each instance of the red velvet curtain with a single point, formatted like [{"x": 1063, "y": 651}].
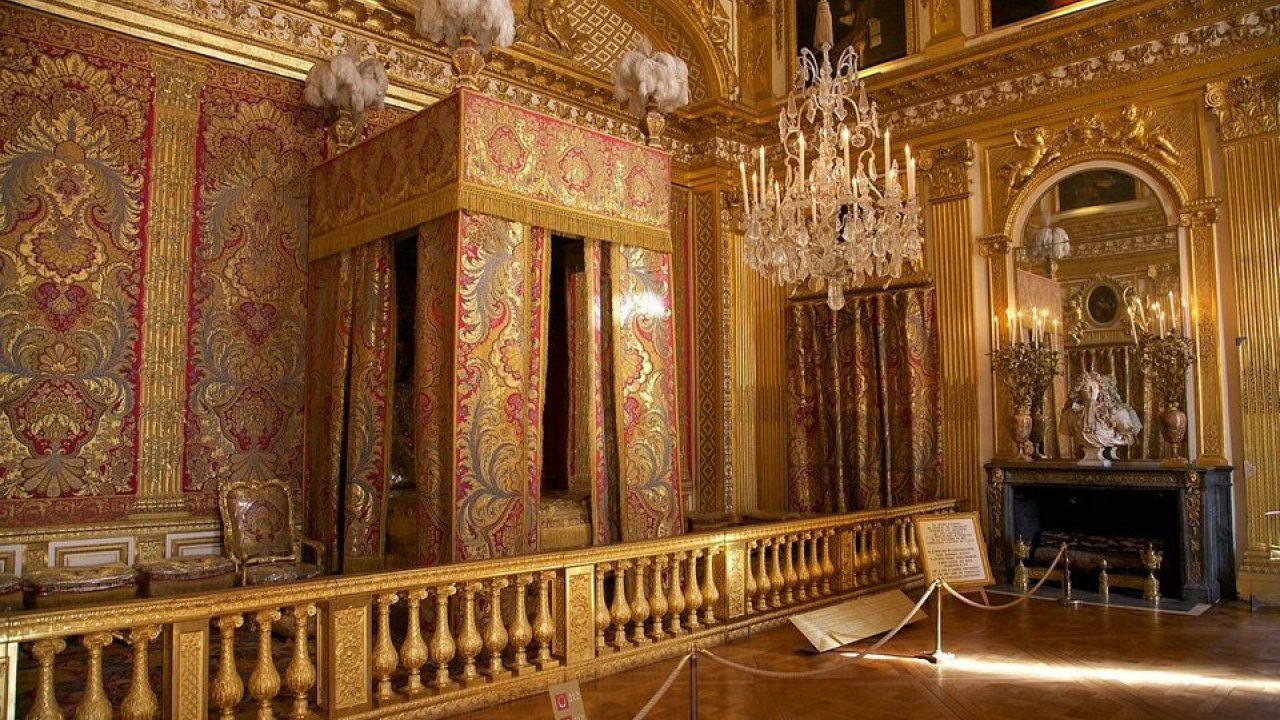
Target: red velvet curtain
[{"x": 864, "y": 402}]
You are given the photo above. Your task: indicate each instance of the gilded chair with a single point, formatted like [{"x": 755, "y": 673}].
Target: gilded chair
[{"x": 258, "y": 533}]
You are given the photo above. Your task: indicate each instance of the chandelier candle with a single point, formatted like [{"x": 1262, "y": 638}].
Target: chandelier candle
[{"x": 833, "y": 221}]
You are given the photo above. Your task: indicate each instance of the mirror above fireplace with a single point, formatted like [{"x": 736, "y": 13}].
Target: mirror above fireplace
[{"x": 1091, "y": 245}]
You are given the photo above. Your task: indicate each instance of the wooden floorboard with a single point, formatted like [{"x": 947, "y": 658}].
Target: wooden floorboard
[{"x": 1038, "y": 661}]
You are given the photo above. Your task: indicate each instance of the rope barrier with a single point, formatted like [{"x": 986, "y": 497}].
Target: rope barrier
[
  {"x": 822, "y": 671},
  {"x": 666, "y": 685},
  {"x": 954, "y": 593}
]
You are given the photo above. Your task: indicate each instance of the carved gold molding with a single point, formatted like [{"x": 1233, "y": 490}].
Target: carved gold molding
[
  {"x": 1246, "y": 106},
  {"x": 164, "y": 325},
  {"x": 947, "y": 169}
]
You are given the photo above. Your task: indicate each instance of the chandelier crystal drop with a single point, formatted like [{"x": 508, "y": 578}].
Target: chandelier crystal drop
[{"x": 837, "y": 214}]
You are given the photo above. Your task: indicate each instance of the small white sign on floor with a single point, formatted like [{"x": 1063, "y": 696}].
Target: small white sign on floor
[
  {"x": 837, "y": 625},
  {"x": 566, "y": 701}
]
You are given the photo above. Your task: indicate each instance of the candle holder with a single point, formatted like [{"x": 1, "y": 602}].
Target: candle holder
[
  {"x": 1165, "y": 361},
  {"x": 1026, "y": 369}
]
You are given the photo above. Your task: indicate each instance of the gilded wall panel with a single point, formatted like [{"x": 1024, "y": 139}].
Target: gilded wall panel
[{"x": 76, "y": 113}]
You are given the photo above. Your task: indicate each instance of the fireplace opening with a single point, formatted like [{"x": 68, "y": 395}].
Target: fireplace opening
[{"x": 1097, "y": 523}]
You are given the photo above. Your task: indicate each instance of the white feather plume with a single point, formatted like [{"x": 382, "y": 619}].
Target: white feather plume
[
  {"x": 489, "y": 22},
  {"x": 643, "y": 76},
  {"x": 340, "y": 84}
]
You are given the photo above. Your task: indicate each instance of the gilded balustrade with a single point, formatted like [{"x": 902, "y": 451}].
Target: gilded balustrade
[{"x": 438, "y": 640}]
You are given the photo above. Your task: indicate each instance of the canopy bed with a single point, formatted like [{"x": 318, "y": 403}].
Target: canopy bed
[{"x": 458, "y": 261}]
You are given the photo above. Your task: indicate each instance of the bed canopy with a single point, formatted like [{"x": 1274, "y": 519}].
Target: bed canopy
[{"x": 484, "y": 189}]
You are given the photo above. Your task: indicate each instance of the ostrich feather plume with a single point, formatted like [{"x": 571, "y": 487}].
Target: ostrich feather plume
[
  {"x": 342, "y": 84},
  {"x": 490, "y": 22},
  {"x": 643, "y": 76}
]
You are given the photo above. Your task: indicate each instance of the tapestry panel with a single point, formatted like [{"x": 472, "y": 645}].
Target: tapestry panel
[
  {"x": 600, "y": 444},
  {"x": 76, "y": 115},
  {"x": 366, "y": 480},
  {"x": 329, "y": 351},
  {"x": 645, "y": 393},
  {"x": 245, "y": 364},
  {"x": 435, "y": 322},
  {"x": 538, "y": 260},
  {"x": 495, "y": 507}
]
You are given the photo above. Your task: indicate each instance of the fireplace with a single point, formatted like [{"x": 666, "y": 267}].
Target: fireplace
[{"x": 1113, "y": 513}]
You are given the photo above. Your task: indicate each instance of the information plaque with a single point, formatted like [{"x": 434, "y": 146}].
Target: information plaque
[
  {"x": 951, "y": 549},
  {"x": 566, "y": 701}
]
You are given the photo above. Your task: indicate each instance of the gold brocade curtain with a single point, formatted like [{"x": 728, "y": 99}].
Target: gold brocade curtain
[
  {"x": 351, "y": 337},
  {"x": 864, "y": 402}
]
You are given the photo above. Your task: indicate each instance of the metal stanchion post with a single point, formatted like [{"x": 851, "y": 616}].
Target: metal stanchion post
[
  {"x": 937, "y": 654},
  {"x": 693, "y": 685}
]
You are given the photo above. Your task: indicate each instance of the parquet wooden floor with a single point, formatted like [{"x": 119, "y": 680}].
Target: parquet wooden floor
[{"x": 1038, "y": 661}]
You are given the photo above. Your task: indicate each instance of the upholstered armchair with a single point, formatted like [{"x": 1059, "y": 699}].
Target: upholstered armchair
[{"x": 258, "y": 533}]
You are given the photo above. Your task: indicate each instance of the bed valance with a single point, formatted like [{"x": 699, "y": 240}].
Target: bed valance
[{"x": 472, "y": 152}]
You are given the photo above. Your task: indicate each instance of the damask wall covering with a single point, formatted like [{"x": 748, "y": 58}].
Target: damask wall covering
[{"x": 152, "y": 272}]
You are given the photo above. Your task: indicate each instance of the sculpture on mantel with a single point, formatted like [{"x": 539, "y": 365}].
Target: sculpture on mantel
[{"x": 1097, "y": 419}]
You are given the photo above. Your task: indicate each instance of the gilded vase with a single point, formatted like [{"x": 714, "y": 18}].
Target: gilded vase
[{"x": 1173, "y": 429}]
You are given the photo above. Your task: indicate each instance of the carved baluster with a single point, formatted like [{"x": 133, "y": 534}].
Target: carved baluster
[
  {"x": 300, "y": 676},
  {"x": 776, "y": 579},
  {"x": 876, "y": 573},
  {"x": 657, "y": 599},
  {"x": 603, "y": 618},
  {"x": 45, "y": 706},
  {"x": 802, "y": 567},
  {"x": 789, "y": 577},
  {"x": 413, "y": 651},
  {"x": 140, "y": 703},
  {"x": 469, "y": 641},
  {"x": 227, "y": 688},
  {"x": 495, "y": 632},
  {"x": 675, "y": 597},
  {"x": 903, "y": 549},
  {"x": 639, "y": 604},
  {"x": 264, "y": 681},
  {"x": 762, "y": 576},
  {"x": 828, "y": 568},
  {"x": 620, "y": 612},
  {"x": 815, "y": 566},
  {"x": 521, "y": 632},
  {"x": 859, "y": 559},
  {"x": 692, "y": 595},
  {"x": 441, "y": 646},
  {"x": 913, "y": 549},
  {"x": 710, "y": 595},
  {"x": 750, "y": 587},
  {"x": 385, "y": 658},
  {"x": 544, "y": 628},
  {"x": 94, "y": 704}
]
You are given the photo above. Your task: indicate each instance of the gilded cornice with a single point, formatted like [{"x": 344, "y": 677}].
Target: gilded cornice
[
  {"x": 1246, "y": 106},
  {"x": 1200, "y": 213},
  {"x": 1155, "y": 39}
]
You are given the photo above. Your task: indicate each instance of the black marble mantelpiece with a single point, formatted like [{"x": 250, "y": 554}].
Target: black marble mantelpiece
[{"x": 1190, "y": 505}]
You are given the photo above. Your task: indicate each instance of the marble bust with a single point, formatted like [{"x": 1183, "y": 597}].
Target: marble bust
[{"x": 1096, "y": 418}]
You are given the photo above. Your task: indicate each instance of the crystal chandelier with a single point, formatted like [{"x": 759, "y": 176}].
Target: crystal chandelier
[{"x": 832, "y": 218}]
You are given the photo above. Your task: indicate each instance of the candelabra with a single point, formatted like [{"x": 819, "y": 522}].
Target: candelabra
[
  {"x": 1026, "y": 368},
  {"x": 833, "y": 220},
  {"x": 1165, "y": 361}
]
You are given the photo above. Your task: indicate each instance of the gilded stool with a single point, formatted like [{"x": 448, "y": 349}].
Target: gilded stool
[
  {"x": 10, "y": 592},
  {"x": 181, "y": 575},
  {"x": 69, "y": 586}
]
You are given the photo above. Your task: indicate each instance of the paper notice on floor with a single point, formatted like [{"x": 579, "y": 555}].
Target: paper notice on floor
[{"x": 831, "y": 627}]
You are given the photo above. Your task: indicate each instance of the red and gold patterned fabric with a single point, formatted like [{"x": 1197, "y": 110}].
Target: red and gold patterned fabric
[
  {"x": 75, "y": 165},
  {"x": 349, "y": 407},
  {"x": 645, "y": 393},
  {"x": 864, "y": 402},
  {"x": 472, "y": 152},
  {"x": 245, "y": 358},
  {"x": 479, "y": 353}
]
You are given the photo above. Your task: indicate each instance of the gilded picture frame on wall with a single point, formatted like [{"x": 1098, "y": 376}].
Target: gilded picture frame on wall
[{"x": 877, "y": 29}]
